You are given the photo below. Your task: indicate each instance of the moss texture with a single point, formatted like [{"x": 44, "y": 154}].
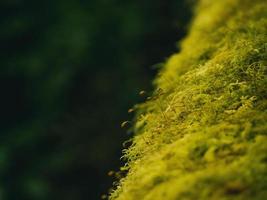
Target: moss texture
[{"x": 203, "y": 133}]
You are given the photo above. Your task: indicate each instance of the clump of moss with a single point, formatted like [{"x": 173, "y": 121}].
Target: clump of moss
[{"x": 203, "y": 134}]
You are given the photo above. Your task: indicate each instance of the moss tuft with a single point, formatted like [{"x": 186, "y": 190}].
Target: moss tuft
[{"x": 203, "y": 134}]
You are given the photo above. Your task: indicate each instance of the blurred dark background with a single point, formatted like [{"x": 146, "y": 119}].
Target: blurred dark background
[{"x": 69, "y": 71}]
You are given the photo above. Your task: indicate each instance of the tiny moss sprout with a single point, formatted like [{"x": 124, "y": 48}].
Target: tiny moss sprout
[
  {"x": 142, "y": 93},
  {"x": 125, "y": 123}
]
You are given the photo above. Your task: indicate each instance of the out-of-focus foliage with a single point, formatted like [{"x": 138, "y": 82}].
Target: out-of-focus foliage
[
  {"x": 202, "y": 135},
  {"x": 69, "y": 71}
]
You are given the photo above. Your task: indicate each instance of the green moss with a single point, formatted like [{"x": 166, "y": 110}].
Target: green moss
[{"x": 203, "y": 134}]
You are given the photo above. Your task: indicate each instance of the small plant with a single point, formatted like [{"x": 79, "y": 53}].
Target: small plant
[{"x": 202, "y": 134}]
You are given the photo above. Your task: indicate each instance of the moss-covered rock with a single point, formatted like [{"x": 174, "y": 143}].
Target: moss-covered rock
[{"x": 203, "y": 133}]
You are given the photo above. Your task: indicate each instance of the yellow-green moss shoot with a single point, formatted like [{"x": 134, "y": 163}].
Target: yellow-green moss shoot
[{"x": 203, "y": 134}]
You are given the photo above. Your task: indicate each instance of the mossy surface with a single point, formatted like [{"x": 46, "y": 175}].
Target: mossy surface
[{"x": 203, "y": 134}]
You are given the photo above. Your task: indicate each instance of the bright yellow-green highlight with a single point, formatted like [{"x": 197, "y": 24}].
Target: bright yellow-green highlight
[{"x": 203, "y": 134}]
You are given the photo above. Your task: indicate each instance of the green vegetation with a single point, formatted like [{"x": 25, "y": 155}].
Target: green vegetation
[{"x": 203, "y": 133}]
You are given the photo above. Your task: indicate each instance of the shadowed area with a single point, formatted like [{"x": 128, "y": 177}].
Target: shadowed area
[{"x": 70, "y": 70}]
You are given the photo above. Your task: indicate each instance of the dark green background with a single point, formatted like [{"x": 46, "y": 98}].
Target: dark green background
[{"x": 70, "y": 69}]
